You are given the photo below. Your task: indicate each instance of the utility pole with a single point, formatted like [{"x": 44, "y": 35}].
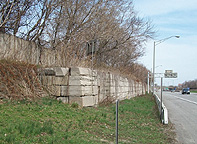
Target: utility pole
[{"x": 148, "y": 83}]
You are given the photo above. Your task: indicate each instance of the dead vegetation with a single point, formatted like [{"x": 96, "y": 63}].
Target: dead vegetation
[
  {"x": 19, "y": 80},
  {"x": 67, "y": 28}
]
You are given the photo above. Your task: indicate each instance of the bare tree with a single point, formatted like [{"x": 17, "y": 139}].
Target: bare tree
[
  {"x": 191, "y": 84},
  {"x": 67, "y": 25},
  {"x": 12, "y": 15}
]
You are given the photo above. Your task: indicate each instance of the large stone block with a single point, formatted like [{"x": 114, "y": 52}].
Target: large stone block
[
  {"x": 82, "y": 90},
  {"x": 78, "y": 71},
  {"x": 84, "y": 101},
  {"x": 63, "y": 99},
  {"x": 112, "y": 89},
  {"x": 60, "y": 80},
  {"x": 54, "y": 76},
  {"x": 47, "y": 72},
  {"x": 64, "y": 91},
  {"x": 47, "y": 80},
  {"x": 82, "y": 80},
  {"x": 90, "y": 100},
  {"x": 60, "y": 71},
  {"x": 101, "y": 97}
]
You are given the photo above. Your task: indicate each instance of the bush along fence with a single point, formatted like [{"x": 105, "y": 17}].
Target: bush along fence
[{"x": 88, "y": 87}]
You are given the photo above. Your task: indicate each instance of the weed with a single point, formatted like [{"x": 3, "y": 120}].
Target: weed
[
  {"x": 47, "y": 121},
  {"x": 10, "y": 138},
  {"x": 48, "y": 101},
  {"x": 104, "y": 115},
  {"x": 74, "y": 105},
  {"x": 48, "y": 127}
]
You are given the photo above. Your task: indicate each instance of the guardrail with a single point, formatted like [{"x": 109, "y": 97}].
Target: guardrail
[{"x": 162, "y": 110}]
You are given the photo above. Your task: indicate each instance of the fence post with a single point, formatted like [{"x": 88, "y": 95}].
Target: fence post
[{"x": 117, "y": 101}]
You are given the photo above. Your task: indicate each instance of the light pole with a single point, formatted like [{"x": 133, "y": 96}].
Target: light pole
[
  {"x": 148, "y": 83},
  {"x": 155, "y": 44}
]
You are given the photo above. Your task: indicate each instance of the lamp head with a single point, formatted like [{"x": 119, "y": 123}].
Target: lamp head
[{"x": 177, "y": 36}]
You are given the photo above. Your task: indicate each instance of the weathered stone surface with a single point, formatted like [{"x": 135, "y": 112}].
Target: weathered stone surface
[
  {"x": 87, "y": 90},
  {"x": 84, "y": 101},
  {"x": 83, "y": 90},
  {"x": 64, "y": 91},
  {"x": 77, "y": 100},
  {"x": 82, "y": 80},
  {"x": 60, "y": 71},
  {"x": 60, "y": 80},
  {"x": 47, "y": 72},
  {"x": 78, "y": 71},
  {"x": 18, "y": 49},
  {"x": 90, "y": 100},
  {"x": 47, "y": 80},
  {"x": 76, "y": 91},
  {"x": 63, "y": 99}
]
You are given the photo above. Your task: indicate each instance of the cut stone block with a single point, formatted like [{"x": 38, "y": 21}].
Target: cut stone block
[
  {"x": 81, "y": 85},
  {"x": 82, "y": 90},
  {"x": 47, "y": 72},
  {"x": 78, "y": 71},
  {"x": 64, "y": 91},
  {"x": 60, "y": 71},
  {"x": 47, "y": 80},
  {"x": 90, "y": 100},
  {"x": 63, "y": 99},
  {"x": 82, "y": 80},
  {"x": 112, "y": 89},
  {"x": 84, "y": 101},
  {"x": 60, "y": 80},
  {"x": 76, "y": 91}
]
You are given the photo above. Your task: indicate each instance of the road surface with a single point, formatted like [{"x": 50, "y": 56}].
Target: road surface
[{"x": 182, "y": 110}]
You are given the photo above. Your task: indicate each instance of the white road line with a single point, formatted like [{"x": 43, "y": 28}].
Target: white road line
[{"x": 186, "y": 100}]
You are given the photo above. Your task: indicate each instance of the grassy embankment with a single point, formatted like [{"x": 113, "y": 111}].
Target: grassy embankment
[{"x": 50, "y": 121}]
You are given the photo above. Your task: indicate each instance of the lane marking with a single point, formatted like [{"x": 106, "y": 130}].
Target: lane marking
[{"x": 186, "y": 100}]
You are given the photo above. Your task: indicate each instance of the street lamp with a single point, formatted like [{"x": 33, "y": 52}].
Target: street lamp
[
  {"x": 155, "y": 44},
  {"x": 158, "y": 66}
]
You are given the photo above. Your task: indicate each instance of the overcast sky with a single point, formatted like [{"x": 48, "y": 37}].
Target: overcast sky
[{"x": 170, "y": 18}]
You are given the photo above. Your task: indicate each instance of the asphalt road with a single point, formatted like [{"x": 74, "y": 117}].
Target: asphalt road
[{"x": 182, "y": 110}]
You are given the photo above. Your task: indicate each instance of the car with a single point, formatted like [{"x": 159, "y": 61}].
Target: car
[
  {"x": 172, "y": 90},
  {"x": 185, "y": 91}
]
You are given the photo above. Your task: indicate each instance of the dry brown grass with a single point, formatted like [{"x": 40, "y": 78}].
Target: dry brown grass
[{"x": 19, "y": 80}]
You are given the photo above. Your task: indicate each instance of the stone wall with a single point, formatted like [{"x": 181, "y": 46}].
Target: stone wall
[
  {"x": 15, "y": 48},
  {"x": 87, "y": 87},
  {"x": 80, "y": 85}
]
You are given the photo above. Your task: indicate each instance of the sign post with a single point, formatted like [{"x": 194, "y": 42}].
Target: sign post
[
  {"x": 161, "y": 114},
  {"x": 148, "y": 83},
  {"x": 117, "y": 101},
  {"x": 91, "y": 49}
]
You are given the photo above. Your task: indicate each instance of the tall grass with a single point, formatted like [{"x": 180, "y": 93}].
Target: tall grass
[{"x": 49, "y": 121}]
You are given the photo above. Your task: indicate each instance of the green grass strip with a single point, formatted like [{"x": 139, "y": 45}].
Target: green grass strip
[
  {"x": 50, "y": 121},
  {"x": 193, "y": 91}
]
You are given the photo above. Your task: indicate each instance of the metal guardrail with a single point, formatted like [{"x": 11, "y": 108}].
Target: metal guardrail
[{"x": 162, "y": 110}]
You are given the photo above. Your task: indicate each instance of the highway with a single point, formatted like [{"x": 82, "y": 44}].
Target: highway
[{"x": 182, "y": 110}]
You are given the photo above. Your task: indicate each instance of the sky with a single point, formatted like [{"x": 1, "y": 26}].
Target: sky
[{"x": 171, "y": 18}]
